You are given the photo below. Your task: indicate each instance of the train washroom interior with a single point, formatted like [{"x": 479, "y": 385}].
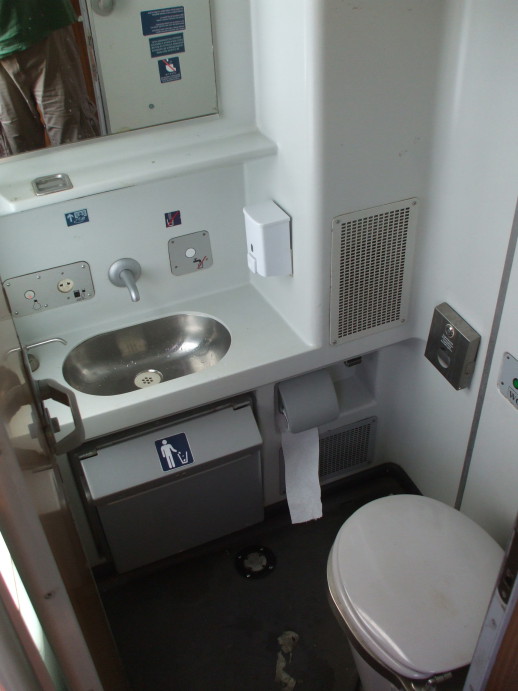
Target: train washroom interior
[{"x": 340, "y": 113}]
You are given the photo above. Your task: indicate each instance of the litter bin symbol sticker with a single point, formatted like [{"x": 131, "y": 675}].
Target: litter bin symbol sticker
[{"x": 174, "y": 452}]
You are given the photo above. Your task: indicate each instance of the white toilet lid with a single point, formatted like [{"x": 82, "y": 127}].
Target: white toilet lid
[{"x": 412, "y": 578}]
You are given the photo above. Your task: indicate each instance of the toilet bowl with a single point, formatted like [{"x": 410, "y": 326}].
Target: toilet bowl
[{"x": 410, "y": 580}]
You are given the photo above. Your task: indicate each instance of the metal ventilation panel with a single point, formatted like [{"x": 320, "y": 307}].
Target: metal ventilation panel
[
  {"x": 342, "y": 450},
  {"x": 346, "y": 449},
  {"x": 372, "y": 254}
]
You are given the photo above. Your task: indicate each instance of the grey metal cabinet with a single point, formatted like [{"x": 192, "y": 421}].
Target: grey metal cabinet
[{"x": 176, "y": 486}]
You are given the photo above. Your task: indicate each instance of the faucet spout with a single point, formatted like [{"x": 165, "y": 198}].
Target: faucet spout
[
  {"x": 126, "y": 272},
  {"x": 130, "y": 283}
]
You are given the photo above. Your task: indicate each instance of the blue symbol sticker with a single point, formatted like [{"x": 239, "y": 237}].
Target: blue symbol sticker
[
  {"x": 162, "y": 21},
  {"x": 166, "y": 45},
  {"x": 74, "y": 218},
  {"x": 174, "y": 452},
  {"x": 172, "y": 218},
  {"x": 169, "y": 69}
]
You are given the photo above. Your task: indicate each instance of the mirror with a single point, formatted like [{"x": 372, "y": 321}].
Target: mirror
[{"x": 124, "y": 66}]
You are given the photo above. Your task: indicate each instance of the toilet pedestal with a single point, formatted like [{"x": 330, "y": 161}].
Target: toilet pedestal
[{"x": 411, "y": 579}]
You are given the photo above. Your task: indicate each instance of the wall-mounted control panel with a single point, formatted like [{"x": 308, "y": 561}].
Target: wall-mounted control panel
[
  {"x": 43, "y": 290},
  {"x": 508, "y": 380},
  {"x": 189, "y": 253},
  {"x": 452, "y": 346}
]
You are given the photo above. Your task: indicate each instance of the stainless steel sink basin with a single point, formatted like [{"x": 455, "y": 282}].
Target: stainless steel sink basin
[{"x": 146, "y": 354}]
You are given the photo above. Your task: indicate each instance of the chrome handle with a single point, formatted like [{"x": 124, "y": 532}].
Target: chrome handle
[
  {"x": 36, "y": 345},
  {"x": 103, "y": 7},
  {"x": 49, "y": 389}
]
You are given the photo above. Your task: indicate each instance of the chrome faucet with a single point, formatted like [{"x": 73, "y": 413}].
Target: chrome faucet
[{"x": 126, "y": 272}]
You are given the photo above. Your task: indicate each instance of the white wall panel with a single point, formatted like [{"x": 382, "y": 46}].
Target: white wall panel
[
  {"x": 467, "y": 219},
  {"x": 491, "y": 493}
]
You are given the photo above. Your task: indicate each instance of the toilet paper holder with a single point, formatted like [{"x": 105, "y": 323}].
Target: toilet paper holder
[{"x": 297, "y": 397}]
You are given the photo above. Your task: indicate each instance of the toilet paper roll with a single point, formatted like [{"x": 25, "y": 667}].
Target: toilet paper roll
[
  {"x": 301, "y": 474},
  {"x": 305, "y": 403},
  {"x": 308, "y": 401}
]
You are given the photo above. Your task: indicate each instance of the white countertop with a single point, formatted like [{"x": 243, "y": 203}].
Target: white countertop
[{"x": 263, "y": 349}]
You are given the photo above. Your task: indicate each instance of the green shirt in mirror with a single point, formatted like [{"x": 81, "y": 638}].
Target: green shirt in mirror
[{"x": 23, "y": 23}]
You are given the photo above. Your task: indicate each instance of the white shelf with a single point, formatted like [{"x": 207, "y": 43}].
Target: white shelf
[{"x": 126, "y": 160}]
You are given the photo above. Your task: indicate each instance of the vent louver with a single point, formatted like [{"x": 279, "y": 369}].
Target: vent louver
[
  {"x": 372, "y": 253},
  {"x": 341, "y": 451},
  {"x": 346, "y": 448}
]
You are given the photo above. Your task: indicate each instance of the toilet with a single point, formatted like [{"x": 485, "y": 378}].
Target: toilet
[{"x": 410, "y": 580}]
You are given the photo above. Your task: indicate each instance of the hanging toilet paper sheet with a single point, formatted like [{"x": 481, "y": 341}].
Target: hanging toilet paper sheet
[
  {"x": 301, "y": 473},
  {"x": 305, "y": 403}
]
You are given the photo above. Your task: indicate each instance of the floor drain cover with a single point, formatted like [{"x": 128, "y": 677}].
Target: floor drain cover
[
  {"x": 255, "y": 562},
  {"x": 148, "y": 378}
]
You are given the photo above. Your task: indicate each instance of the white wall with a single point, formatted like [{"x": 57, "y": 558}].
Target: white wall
[
  {"x": 368, "y": 102},
  {"x": 465, "y": 231},
  {"x": 492, "y": 485},
  {"x": 130, "y": 223}
]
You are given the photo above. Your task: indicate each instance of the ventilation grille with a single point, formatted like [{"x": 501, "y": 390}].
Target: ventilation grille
[
  {"x": 342, "y": 451},
  {"x": 371, "y": 267},
  {"x": 347, "y": 448}
]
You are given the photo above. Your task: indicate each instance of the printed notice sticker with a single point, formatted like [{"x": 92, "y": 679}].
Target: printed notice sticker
[
  {"x": 163, "y": 21},
  {"x": 172, "y": 218},
  {"x": 174, "y": 452},
  {"x": 74, "y": 218},
  {"x": 166, "y": 45},
  {"x": 169, "y": 70}
]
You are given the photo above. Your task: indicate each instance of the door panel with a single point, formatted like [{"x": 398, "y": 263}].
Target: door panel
[
  {"x": 155, "y": 63},
  {"x": 39, "y": 531}
]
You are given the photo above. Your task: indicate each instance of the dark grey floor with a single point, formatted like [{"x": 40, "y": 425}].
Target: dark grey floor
[{"x": 195, "y": 623}]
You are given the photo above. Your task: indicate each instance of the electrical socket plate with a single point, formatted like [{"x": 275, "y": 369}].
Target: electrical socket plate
[
  {"x": 189, "y": 253},
  {"x": 43, "y": 290}
]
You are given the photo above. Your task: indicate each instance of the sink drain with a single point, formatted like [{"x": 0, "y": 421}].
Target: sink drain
[{"x": 149, "y": 377}]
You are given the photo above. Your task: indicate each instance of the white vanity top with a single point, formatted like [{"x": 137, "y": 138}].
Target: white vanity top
[{"x": 263, "y": 349}]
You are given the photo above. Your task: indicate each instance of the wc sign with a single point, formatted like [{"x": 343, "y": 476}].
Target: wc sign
[{"x": 174, "y": 452}]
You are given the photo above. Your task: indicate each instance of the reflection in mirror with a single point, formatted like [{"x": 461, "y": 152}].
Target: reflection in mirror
[
  {"x": 74, "y": 69},
  {"x": 43, "y": 95}
]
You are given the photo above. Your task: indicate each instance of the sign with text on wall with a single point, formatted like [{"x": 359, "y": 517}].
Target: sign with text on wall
[
  {"x": 138, "y": 88},
  {"x": 163, "y": 20}
]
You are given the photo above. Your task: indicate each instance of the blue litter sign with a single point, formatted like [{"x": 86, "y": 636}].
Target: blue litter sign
[
  {"x": 163, "y": 21},
  {"x": 74, "y": 218},
  {"x": 174, "y": 452},
  {"x": 166, "y": 45},
  {"x": 169, "y": 69}
]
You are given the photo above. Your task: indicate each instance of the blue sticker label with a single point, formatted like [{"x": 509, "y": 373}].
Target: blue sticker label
[
  {"x": 166, "y": 45},
  {"x": 163, "y": 21},
  {"x": 169, "y": 69},
  {"x": 74, "y": 218},
  {"x": 172, "y": 218},
  {"x": 174, "y": 452}
]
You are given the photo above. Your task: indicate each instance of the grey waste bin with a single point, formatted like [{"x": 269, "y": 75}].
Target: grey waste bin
[{"x": 176, "y": 486}]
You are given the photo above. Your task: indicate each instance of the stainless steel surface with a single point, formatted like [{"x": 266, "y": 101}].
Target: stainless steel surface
[
  {"x": 452, "y": 346},
  {"x": 181, "y": 344},
  {"x": 48, "y": 340},
  {"x": 48, "y": 184},
  {"x": 59, "y": 286},
  {"x": 38, "y": 344},
  {"x": 126, "y": 272}
]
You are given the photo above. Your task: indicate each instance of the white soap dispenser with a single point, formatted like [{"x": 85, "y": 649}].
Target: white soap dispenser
[{"x": 268, "y": 239}]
